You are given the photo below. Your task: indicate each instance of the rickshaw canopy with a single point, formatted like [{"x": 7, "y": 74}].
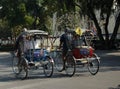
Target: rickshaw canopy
[{"x": 37, "y": 32}]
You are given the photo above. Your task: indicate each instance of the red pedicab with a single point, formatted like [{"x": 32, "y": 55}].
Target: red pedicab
[{"x": 78, "y": 55}]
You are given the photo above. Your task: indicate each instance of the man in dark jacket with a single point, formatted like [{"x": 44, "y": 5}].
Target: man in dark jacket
[
  {"x": 19, "y": 40},
  {"x": 65, "y": 44}
]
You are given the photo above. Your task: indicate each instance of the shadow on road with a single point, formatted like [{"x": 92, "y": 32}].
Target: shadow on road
[{"x": 110, "y": 61}]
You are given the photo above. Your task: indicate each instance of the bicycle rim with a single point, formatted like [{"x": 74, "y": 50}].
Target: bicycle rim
[
  {"x": 23, "y": 70},
  {"x": 15, "y": 65},
  {"x": 59, "y": 62},
  {"x": 93, "y": 65},
  {"x": 48, "y": 67},
  {"x": 70, "y": 66}
]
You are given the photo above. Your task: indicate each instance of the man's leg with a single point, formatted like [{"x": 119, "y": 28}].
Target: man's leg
[
  {"x": 19, "y": 58},
  {"x": 64, "y": 58}
]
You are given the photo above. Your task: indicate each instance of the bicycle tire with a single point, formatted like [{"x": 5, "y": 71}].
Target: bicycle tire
[
  {"x": 70, "y": 66},
  {"x": 58, "y": 62},
  {"x": 48, "y": 67},
  {"x": 23, "y": 69},
  {"x": 15, "y": 68},
  {"x": 93, "y": 65}
]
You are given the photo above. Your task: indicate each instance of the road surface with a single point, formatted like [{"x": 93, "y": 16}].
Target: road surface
[{"x": 107, "y": 78}]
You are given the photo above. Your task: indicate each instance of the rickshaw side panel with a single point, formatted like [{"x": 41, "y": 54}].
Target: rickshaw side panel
[
  {"x": 38, "y": 54},
  {"x": 82, "y": 52}
]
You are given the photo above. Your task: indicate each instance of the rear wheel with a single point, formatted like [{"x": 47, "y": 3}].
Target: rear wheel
[
  {"x": 48, "y": 67},
  {"x": 93, "y": 64},
  {"x": 70, "y": 66}
]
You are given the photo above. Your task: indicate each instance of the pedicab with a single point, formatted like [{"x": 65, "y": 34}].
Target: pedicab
[
  {"x": 33, "y": 55},
  {"x": 81, "y": 54}
]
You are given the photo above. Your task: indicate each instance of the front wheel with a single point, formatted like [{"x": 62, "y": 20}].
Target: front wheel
[
  {"x": 58, "y": 61},
  {"x": 23, "y": 69},
  {"x": 70, "y": 66},
  {"x": 48, "y": 66},
  {"x": 15, "y": 64},
  {"x": 93, "y": 64}
]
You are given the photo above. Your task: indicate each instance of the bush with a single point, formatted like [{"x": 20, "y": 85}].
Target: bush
[{"x": 8, "y": 47}]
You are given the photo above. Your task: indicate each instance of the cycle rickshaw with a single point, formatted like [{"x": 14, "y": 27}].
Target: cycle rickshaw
[
  {"x": 79, "y": 55},
  {"x": 34, "y": 54}
]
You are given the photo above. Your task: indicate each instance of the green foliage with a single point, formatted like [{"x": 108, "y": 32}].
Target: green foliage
[
  {"x": 9, "y": 47},
  {"x": 28, "y": 20},
  {"x": 4, "y": 29},
  {"x": 38, "y": 14}
]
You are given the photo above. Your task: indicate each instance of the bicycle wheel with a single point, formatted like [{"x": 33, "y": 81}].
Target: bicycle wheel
[
  {"x": 15, "y": 64},
  {"x": 70, "y": 66},
  {"x": 58, "y": 61},
  {"x": 48, "y": 67},
  {"x": 23, "y": 69},
  {"x": 93, "y": 64}
]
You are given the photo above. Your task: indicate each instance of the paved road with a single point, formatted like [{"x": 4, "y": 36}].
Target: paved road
[{"x": 107, "y": 78}]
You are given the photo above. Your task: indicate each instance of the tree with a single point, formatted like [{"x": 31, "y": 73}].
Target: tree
[
  {"x": 37, "y": 14},
  {"x": 15, "y": 14},
  {"x": 106, "y": 10}
]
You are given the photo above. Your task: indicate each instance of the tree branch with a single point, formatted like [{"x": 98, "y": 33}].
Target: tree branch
[{"x": 76, "y": 4}]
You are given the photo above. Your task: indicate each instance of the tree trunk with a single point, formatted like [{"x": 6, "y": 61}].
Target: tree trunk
[
  {"x": 99, "y": 32},
  {"x": 117, "y": 25},
  {"x": 106, "y": 24}
]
